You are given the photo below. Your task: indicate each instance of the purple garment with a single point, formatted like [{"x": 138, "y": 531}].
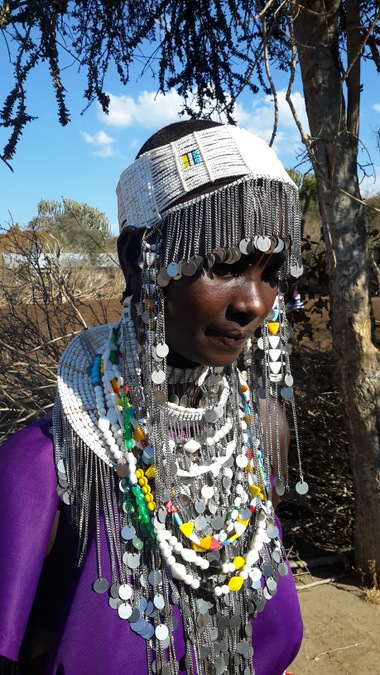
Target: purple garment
[{"x": 90, "y": 637}]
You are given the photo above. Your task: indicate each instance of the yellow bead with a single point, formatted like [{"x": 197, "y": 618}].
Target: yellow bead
[
  {"x": 149, "y": 497},
  {"x": 239, "y": 562},
  {"x": 186, "y": 529},
  {"x": 244, "y": 387},
  {"x": 196, "y": 547},
  {"x": 151, "y": 506},
  {"x": 254, "y": 490},
  {"x": 139, "y": 473},
  {"x": 145, "y": 489},
  {"x": 235, "y": 583},
  {"x": 205, "y": 543},
  {"x": 150, "y": 471},
  {"x": 273, "y": 327},
  {"x": 244, "y": 522},
  {"x": 138, "y": 435},
  {"x": 234, "y": 536}
]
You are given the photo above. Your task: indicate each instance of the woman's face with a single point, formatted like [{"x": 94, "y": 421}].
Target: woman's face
[{"x": 210, "y": 316}]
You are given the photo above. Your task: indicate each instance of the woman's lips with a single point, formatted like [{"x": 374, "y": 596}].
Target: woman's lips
[{"x": 229, "y": 334}]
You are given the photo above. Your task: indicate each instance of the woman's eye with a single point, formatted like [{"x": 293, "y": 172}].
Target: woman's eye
[{"x": 270, "y": 274}]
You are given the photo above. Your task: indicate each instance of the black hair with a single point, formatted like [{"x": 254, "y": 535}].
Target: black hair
[{"x": 172, "y": 132}]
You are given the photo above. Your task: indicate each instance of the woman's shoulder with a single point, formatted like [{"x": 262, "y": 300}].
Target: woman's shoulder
[
  {"x": 29, "y": 447},
  {"x": 27, "y": 471}
]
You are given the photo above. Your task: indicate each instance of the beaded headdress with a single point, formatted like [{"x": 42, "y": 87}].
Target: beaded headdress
[{"x": 184, "y": 462}]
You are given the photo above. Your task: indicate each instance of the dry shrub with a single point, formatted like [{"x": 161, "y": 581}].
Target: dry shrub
[
  {"x": 42, "y": 306},
  {"x": 372, "y": 595},
  {"x": 324, "y": 518}
]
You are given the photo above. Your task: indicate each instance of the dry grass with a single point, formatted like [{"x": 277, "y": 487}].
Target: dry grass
[
  {"x": 372, "y": 595},
  {"x": 42, "y": 306}
]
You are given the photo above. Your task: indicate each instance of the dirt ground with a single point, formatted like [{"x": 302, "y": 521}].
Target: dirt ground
[{"x": 341, "y": 631}]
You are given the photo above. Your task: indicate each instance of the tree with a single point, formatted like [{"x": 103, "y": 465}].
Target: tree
[
  {"x": 77, "y": 227},
  {"x": 210, "y": 51},
  {"x": 318, "y": 31}
]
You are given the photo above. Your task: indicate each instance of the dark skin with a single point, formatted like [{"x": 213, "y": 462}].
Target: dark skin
[{"x": 210, "y": 316}]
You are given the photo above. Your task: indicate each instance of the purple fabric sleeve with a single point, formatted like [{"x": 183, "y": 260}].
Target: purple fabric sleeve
[{"x": 28, "y": 503}]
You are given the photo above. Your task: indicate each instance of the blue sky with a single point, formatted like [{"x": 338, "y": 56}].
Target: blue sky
[{"x": 83, "y": 161}]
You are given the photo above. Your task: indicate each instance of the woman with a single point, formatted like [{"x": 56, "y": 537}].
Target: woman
[{"x": 167, "y": 436}]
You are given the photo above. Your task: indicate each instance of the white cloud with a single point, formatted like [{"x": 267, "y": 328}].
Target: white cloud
[
  {"x": 149, "y": 110},
  {"x": 259, "y": 119},
  {"x": 152, "y": 111},
  {"x": 376, "y": 106},
  {"x": 101, "y": 141}
]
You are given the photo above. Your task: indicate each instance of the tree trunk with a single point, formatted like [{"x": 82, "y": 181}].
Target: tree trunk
[{"x": 333, "y": 153}]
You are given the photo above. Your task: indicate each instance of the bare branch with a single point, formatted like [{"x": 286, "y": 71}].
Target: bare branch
[
  {"x": 304, "y": 136},
  {"x": 374, "y": 51},
  {"x": 261, "y": 13},
  {"x": 267, "y": 69}
]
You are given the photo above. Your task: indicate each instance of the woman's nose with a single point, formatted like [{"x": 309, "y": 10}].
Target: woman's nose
[{"x": 249, "y": 301}]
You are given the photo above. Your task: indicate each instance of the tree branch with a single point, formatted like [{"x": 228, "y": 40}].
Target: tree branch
[{"x": 267, "y": 69}]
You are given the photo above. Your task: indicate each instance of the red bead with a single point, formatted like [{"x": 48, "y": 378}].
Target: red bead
[
  {"x": 215, "y": 544},
  {"x": 170, "y": 507}
]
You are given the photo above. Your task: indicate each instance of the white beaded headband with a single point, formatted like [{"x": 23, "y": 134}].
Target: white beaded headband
[{"x": 162, "y": 176}]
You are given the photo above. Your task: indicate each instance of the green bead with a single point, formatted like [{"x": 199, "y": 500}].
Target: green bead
[
  {"x": 128, "y": 506},
  {"x": 129, "y": 444}
]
